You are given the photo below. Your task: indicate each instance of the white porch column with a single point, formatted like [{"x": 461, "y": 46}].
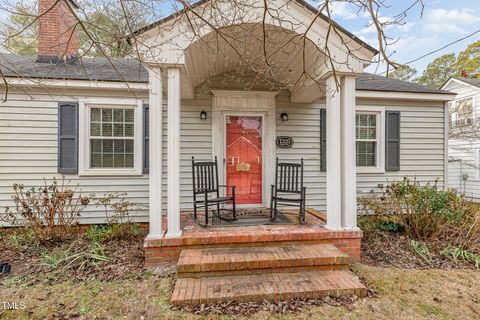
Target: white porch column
[
  {"x": 155, "y": 153},
  {"x": 348, "y": 157},
  {"x": 334, "y": 190},
  {"x": 173, "y": 154}
]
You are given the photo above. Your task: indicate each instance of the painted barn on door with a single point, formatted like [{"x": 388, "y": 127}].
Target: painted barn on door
[{"x": 123, "y": 125}]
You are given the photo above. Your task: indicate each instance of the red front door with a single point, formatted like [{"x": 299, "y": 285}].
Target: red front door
[{"x": 244, "y": 158}]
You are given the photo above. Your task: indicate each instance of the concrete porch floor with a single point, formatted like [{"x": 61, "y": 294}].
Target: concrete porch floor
[{"x": 158, "y": 250}]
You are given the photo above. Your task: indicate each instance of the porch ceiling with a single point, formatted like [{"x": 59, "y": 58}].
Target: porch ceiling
[{"x": 286, "y": 61}]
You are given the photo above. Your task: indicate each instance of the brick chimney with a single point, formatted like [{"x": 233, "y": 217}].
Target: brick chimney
[{"x": 57, "y": 39}]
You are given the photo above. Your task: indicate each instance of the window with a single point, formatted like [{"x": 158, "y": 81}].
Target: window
[
  {"x": 370, "y": 139},
  {"x": 367, "y": 139},
  {"x": 464, "y": 112},
  {"x": 110, "y": 137}
]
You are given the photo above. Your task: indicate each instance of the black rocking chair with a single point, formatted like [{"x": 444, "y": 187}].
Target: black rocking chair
[
  {"x": 288, "y": 189},
  {"x": 205, "y": 182}
]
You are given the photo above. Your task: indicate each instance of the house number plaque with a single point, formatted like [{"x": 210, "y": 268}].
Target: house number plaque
[{"x": 284, "y": 142}]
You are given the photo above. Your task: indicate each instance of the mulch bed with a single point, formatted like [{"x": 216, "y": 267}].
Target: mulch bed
[
  {"x": 391, "y": 249},
  {"x": 29, "y": 267}
]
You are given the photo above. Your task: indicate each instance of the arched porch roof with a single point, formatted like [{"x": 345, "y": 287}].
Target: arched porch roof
[{"x": 286, "y": 44}]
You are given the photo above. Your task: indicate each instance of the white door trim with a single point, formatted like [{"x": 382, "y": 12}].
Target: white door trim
[{"x": 226, "y": 102}]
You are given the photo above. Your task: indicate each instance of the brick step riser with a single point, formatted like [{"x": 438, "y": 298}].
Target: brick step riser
[
  {"x": 156, "y": 255},
  {"x": 222, "y": 273},
  {"x": 359, "y": 292},
  {"x": 259, "y": 263}
]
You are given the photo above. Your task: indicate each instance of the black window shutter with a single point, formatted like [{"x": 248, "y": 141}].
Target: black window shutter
[
  {"x": 392, "y": 140},
  {"x": 323, "y": 140},
  {"x": 146, "y": 128},
  {"x": 67, "y": 157}
]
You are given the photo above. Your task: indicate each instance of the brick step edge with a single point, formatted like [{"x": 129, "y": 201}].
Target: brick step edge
[
  {"x": 222, "y": 273},
  {"x": 279, "y": 286},
  {"x": 214, "y": 260}
]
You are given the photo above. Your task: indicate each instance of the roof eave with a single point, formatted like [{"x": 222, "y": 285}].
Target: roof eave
[{"x": 300, "y": 2}]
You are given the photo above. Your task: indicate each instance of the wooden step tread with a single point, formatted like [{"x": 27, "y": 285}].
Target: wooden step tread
[
  {"x": 273, "y": 286},
  {"x": 265, "y": 257}
]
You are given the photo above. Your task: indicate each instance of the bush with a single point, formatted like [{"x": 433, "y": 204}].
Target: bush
[
  {"x": 117, "y": 215},
  {"x": 49, "y": 212},
  {"x": 425, "y": 212}
]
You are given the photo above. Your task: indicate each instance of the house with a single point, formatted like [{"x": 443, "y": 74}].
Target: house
[
  {"x": 464, "y": 140},
  {"x": 124, "y": 125}
]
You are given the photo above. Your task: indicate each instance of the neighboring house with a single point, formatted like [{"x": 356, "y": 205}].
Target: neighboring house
[
  {"x": 119, "y": 125},
  {"x": 464, "y": 136}
]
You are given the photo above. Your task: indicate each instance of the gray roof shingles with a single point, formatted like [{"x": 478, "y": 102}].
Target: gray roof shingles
[
  {"x": 131, "y": 70},
  {"x": 92, "y": 69},
  {"x": 368, "y": 81},
  {"x": 472, "y": 81}
]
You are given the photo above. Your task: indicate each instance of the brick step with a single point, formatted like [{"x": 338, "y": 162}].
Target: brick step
[
  {"x": 195, "y": 263},
  {"x": 270, "y": 286}
]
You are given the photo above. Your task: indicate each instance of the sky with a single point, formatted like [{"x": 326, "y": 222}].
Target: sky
[{"x": 442, "y": 22}]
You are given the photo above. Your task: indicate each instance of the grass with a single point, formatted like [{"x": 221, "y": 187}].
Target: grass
[{"x": 402, "y": 294}]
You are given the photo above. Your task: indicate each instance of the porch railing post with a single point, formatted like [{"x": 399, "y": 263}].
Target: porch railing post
[
  {"x": 173, "y": 153},
  {"x": 155, "y": 153}
]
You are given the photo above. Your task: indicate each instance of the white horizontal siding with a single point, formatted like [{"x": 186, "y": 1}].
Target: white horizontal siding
[
  {"x": 465, "y": 149},
  {"x": 422, "y": 144},
  {"x": 28, "y": 154},
  {"x": 303, "y": 126},
  {"x": 463, "y": 177},
  {"x": 28, "y": 149}
]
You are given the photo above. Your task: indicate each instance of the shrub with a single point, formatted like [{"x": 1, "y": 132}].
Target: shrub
[
  {"x": 117, "y": 215},
  {"x": 66, "y": 260},
  {"x": 50, "y": 211},
  {"x": 457, "y": 253},
  {"x": 426, "y": 212},
  {"x": 99, "y": 233},
  {"x": 422, "y": 251}
]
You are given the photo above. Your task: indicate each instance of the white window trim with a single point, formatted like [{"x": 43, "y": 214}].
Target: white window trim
[
  {"x": 380, "y": 161},
  {"x": 455, "y": 104},
  {"x": 84, "y": 137}
]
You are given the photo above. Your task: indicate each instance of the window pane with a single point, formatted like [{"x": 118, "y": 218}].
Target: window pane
[
  {"x": 107, "y": 146},
  {"x": 111, "y": 153},
  {"x": 116, "y": 124},
  {"x": 119, "y": 146},
  {"x": 366, "y": 153},
  {"x": 366, "y": 126},
  {"x": 95, "y": 114},
  {"x": 96, "y": 160},
  {"x": 129, "y": 146},
  {"x": 107, "y": 115},
  {"x": 129, "y": 160},
  {"x": 95, "y": 129},
  {"x": 129, "y": 130},
  {"x": 118, "y": 160},
  {"x": 118, "y": 115},
  {"x": 96, "y": 146},
  {"x": 129, "y": 115},
  {"x": 118, "y": 129},
  {"x": 106, "y": 129},
  {"x": 107, "y": 160}
]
